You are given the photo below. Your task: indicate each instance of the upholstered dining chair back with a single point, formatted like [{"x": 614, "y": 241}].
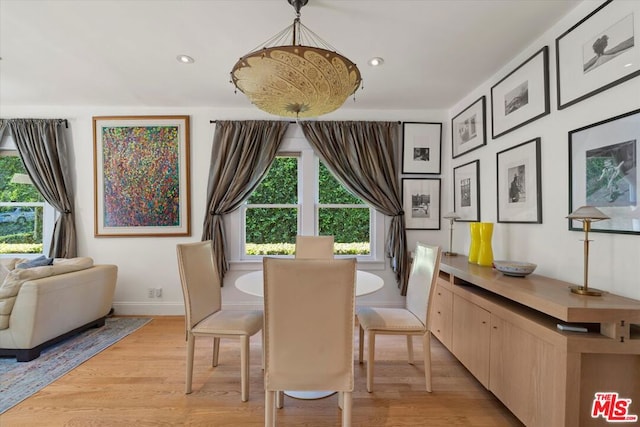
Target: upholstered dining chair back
[
  {"x": 422, "y": 278},
  {"x": 314, "y": 247},
  {"x": 411, "y": 320},
  {"x": 204, "y": 315},
  {"x": 309, "y": 308},
  {"x": 200, "y": 281}
]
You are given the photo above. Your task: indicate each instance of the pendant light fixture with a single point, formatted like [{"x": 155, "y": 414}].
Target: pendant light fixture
[{"x": 306, "y": 78}]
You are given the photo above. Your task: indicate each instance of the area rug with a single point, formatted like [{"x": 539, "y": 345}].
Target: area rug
[{"x": 19, "y": 380}]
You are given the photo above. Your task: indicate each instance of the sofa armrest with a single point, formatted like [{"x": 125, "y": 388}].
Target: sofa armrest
[{"x": 48, "y": 307}]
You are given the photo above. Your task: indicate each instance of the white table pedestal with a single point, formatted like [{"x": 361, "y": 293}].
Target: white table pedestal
[{"x": 309, "y": 395}]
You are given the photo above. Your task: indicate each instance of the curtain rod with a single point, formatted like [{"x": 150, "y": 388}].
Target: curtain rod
[
  {"x": 292, "y": 122},
  {"x": 213, "y": 121}
]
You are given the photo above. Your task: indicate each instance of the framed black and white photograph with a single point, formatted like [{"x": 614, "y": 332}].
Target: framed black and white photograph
[
  {"x": 599, "y": 52},
  {"x": 519, "y": 183},
  {"x": 468, "y": 131},
  {"x": 603, "y": 172},
  {"x": 421, "y": 203},
  {"x": 466, "y": 191},
  {"x": 522, "y": 96},
  {"x": 421, "y": 146}
]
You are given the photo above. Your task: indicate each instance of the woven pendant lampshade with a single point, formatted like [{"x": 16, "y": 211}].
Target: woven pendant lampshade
[{"x": 296, "y": 80}]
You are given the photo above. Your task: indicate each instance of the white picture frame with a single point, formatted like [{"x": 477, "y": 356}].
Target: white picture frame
[
  {"x": 599, "y": 52},
  {"x": 519, "y": 183},
  {"x": 468, "y": 128},
  {"x": 466, "y": 191},
  {"x": 421, "y": 148},
  {"x": 421, "y": 203},
  {"x": 522, "y": 96}
]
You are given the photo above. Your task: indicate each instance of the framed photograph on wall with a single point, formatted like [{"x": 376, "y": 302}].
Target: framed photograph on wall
[
  {"x": 421, "y": 203},
  {"x": 603, "y": 172},
  {"x": 421, "y": 146},
  {"x": 468, "y": 131},
  {"x": 522, "y": 96},
  {"x": 466, "y": 191},
  {"x": 599, "y": 52},
  {"x": 141, "y": 176},
  {"x": 519, "y": 183}
]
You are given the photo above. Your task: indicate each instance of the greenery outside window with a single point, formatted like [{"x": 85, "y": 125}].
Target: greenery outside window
[
  {"x": 23, "y": 211},
  {"x": 282, "y": 205},
  {"x": 342, "y": 215},
  {"x": 271, "y": 212}
]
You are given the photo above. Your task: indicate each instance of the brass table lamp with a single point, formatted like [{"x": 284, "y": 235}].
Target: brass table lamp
[
  {"x": 451, "y": 216},
  {"x": 586, "y": 215}
]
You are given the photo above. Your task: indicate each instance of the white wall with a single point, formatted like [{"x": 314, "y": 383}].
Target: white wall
[
  {"x": 614, "y": 258},
  {"x": 151, "y": 262}
]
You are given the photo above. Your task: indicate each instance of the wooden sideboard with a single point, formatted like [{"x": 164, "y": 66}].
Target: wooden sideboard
[{"x": 504, "y": 331}]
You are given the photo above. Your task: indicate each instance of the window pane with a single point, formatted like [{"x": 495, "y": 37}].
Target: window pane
[
  {"x": 280, "y": 186},
  {"x": 331, "y": 191},
  {"x": 273, "y": 230},
  {"x": 349, "y": 227},
  {"x": 20, "y": 210}
]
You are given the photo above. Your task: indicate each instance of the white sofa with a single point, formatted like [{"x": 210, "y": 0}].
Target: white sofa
[{"x": 52, "y": 303}]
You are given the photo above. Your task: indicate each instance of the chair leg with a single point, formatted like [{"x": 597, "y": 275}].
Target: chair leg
[
  {"x": 410, "y": 348},
  {"x": 244, "y": 366},
  {"x": 340, "y": 399},
  {"x": 279, "y": 399},
  {"x": 371, "y": 350},
  {"x": 361, "y": 346},
  {"x": 346, "y": 409},
  {"x": 190, "y": 350},
  {"x": 216, "y": 351},
  {"x": 263, "y": 349},
  {"x": 426, "y": 345},
  {"x": 269, "y": 406}
]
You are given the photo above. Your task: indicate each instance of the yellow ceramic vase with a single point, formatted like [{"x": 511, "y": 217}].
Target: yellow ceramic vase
[
  {"x": 474, "y": 248},
  {"x": 485, "y": 253}
]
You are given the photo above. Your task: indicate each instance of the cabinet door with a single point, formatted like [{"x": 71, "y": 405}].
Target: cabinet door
[
  {"x": 523, "y": 374},
  {"x": 471, "y": 335},
  {"x": 441, "y": 315}
]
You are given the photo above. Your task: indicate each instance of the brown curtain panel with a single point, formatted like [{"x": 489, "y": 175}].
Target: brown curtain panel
[
  {"x": 43, "y": 150},
  {"x": 241, "y": 155},
  {"x": 362, "y": 156}
]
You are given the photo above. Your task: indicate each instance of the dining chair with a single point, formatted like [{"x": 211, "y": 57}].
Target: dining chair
[
  {"x": 313, "y": 247},
  {"x": 309, "y": 309},
  {"x": 411, "y": 320},
  {"x": 204, "y": 315}
]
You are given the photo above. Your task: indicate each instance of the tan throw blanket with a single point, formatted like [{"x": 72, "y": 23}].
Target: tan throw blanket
[{"x": 15, "y": 277}]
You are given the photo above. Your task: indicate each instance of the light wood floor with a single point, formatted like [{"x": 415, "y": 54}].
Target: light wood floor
[{"x": 139, "y": 382}]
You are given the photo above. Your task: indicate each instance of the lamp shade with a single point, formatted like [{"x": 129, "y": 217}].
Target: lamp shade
[
  {"x": 451, "y": 215},
  {"x": 587, "y": 213},
  {"x": 296, "y": 81}
]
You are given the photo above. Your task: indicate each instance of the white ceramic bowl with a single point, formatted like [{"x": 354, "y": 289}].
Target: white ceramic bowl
[{"x": 514, "y": 268}]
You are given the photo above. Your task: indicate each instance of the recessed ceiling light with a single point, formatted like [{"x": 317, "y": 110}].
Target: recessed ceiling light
[
  {"x": 628, "y": 65},
  {"x": 376, "y": 62},
  {"x": 185, "y": 59}
]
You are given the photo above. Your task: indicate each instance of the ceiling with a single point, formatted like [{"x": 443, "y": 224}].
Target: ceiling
[{"x": 123, "y": 52}]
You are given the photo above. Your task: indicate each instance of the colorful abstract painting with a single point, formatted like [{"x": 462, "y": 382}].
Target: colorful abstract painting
[{"x": 142, "y": 176}]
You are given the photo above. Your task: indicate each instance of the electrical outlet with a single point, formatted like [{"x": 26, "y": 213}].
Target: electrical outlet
[
  {"x": 158, "y": 292},
  {"x": 151, "y": 293}
]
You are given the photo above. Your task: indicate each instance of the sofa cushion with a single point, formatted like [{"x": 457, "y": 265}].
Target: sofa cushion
[
  {"x": 3, "y": 272},
  {"x": 16, "y": 277},
  {"x": 36, "y": 262}
]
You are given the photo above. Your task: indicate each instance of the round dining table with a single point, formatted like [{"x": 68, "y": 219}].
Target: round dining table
[{"x": 252, "y": 284}]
